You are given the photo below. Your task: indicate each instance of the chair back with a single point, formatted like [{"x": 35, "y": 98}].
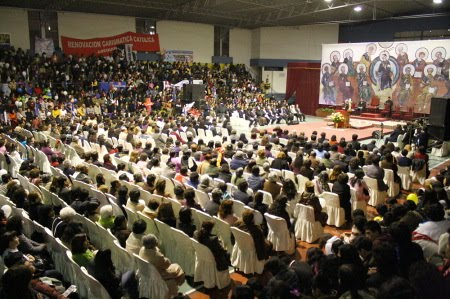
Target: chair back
[
  {"x": 306, "y": 213},
  {"x": 151, "y": 225},
  {"x": 96, "y": 289},
  {"x": 276, "y": 224},
  {"x": 223, "y": 232},
  {"x": 243, "y": 239}
]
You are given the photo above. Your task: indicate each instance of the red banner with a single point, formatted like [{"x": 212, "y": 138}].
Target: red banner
[{"x": 106, "y": 45}]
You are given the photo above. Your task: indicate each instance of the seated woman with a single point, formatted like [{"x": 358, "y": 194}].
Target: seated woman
[
  {"x": 361, "y": 188},
  {"x": 26, "y": 245},
  {"x": 204, "y": 236},
  {"x": 186, "y": 224},
  {"x": 278, "y": 208},
  {"x": 226, "y": 212},
  {"x": 310, "y": 199},
  {"x": 106, "y": 217},
  {"x": 337, "y": 170},
  {"x": 166, "y": 214},
  {"x": 116, "y": 285},
  {"x": 81, "y": 253},
  {"x": 341, "y": 188},
  {"x": 322, "y": 183},
  {"x": 120, "y": 229},
  {"x": 169, "y": 271},
  {"x": 247, "y": 224}
]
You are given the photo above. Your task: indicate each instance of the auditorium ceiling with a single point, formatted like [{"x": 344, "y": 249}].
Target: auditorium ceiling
[{"x": 247, "y": 13}]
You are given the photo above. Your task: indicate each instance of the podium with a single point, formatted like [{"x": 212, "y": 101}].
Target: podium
[{"x": 346, "y": 122}]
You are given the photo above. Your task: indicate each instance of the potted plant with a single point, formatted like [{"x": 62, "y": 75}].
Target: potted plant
[
  {"x": 324, "y": 112},
  {"x": 338, "y": 119}
]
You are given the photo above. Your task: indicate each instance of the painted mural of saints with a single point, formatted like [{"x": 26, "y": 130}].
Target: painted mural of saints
[
  {"x": 405, "y": 85},
  {"x": 402, "y": 55},
  {"x": 328, "y": 88},
  {"x": 429, "y": 89},
  {"x": 442, "y": 67},
  {"x": 348, "y": 60},
  {"x": 384, "y": 72},
  {"x": 363, "y": 84},
  {"x": 420, "y": 62},
  {"x": 335, "y": 58},
  {"x": 344, "y": 84}
]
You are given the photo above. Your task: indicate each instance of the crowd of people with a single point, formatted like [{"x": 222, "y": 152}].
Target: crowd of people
[{"x": 403, "y": 252}]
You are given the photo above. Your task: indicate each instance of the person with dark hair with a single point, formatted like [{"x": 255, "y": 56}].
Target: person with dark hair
[
  {"x": 26, "y": 245},
  {"x": 226, "y": 212},
  {"x": 374, "y": 233},
  {"x": 386, "y": 263},
  {"x": 189, "y": 196},
  {"x": 255, "y": 181},
  {"x": 242, "y": 193},
  {"x": 120, "y": 229},
  {"x": 321, "y": 287},
  {"x": 166, "y": 214},
  {"x": 242, "y": 292},
  {"x": 212, "y": 206},
  {"x": 341, "y": 188},
  {"x": 16, "y": 283},
  {"x": 134, "y": 242},
  {"x": 352, "y": 282},
  {"x": 263, "y": 247},
  {"x": 185, "y": 223},
  {"x": 404, "y": 160},
  {"x": 361, "y": 189},
  {"x": 278, "y": 208},
  {"x": 81, "y": 253},
  {"x": 281, "y": 273},
  {"x": 376, "y": 172},
  {"x": 116, "y": 285},
  {"x": 149, "y": 185},
  {"x": 396, "y": 288},
  {"x": 427, "y": 281},
  {"x": 134, "y": 203},
  {"x": 204, "y": 236}
]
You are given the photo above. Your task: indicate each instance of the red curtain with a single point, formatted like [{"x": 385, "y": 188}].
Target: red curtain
[{"x": 303, "y": 79}]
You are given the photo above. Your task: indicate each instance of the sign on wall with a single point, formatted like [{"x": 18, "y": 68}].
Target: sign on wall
[
  {"x": 178, "y": 56},
  {"x": 106, "y": 45},
  {"x": 5, "y": 40},
  {"x": 411, "y": 73},
  {"x": 43, "y": 45}
]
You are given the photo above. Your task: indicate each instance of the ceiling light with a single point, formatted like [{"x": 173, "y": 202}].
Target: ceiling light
[
  {"x": 437, "y": 1},
  {"x": 328, "y": 1},
  {"x": 357, "y": 8}
]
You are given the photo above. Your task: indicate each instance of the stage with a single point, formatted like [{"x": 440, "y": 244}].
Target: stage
[{"x": 363, "y": 128}]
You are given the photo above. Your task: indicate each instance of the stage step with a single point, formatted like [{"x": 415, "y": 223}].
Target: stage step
[
  {"x": 371, "y": 115},
  {"x": 370, "y": 118}
]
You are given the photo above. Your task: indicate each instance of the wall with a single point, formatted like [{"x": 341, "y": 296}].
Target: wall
[
  {"x": 84, "y": 25},
  {"x": 300, "y": 43},
  {"x": 15, "y": 22},
  {"x": 241, "y": 45},
  {"x": 187, "y": 36}
]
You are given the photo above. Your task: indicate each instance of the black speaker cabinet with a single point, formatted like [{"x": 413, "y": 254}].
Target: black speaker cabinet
[
  {"x": 440, "y": 132},
  {"x": 193, "y": 92},
  {"x": 440, "y": 111}
]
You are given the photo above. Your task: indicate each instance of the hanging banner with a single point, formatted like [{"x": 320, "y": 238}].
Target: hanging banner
[
  {"x": 410, "y": 72},
  {"x": 106, "y": 45},
  {"x": 44, "y": 45},
  {"x": 178, "y": 56},
  {"x": 5, "y": 40},
  {"x": 129, "y": 52}
]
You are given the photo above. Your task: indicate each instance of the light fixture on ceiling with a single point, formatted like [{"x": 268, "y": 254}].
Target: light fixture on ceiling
[
  {"x": 49, "y": 28},
  {"x": 437, "y": 1},
  {"x": 328, "y": 1},
  {"x": 357, "y": 8}
]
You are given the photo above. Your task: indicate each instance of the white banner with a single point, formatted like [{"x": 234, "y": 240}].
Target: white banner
[{"x": 410, "y": 72}]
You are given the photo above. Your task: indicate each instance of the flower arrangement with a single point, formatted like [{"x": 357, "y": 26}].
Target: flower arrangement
[{"x": 337, "y": 117}]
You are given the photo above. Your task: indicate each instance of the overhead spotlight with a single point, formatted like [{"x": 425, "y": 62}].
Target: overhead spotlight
[
  {"x": 357, "y": 8},
  {"x": 328, "y": 1},
  {"x": 49, "y": 28},
  {"x": 437, "y": 1}
]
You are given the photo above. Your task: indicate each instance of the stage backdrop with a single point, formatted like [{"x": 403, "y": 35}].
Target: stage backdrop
[{"x": 411, "y": 72}]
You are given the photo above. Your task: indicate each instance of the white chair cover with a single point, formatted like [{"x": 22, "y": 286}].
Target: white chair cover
[
  {"x": 336, "y": 214},
  {"x": 121, "y": 258},
  {"x": 267, "y": 197},
  {"x": 131, "y": 217},
  {"x": 224, "y": 233},
  {"x": 202, "y": 198},
  {"x": 151, "y": 284},
  {"x": 77, "y": 276},
  {"x": 168, "y": 243},
  {"x": 279, "y": 234},
  {"x": 238, "y": 208},
  {"x": 96, "y": 289},
  {"x": 244, "y": 255},
  {"x": 376, "y": 196},
  {"x": 185, "y": 253},
  {"x": 151, "y": 225},
  {"x": 306, "y": 227},
  {"x": 258, "y": 217},
  {"x": 404, "y": 172},
  {"x": 361, "y": 205},
  {"x": 301, "y": 183},
  {"x": 394, "y": 188},
  {"x": 419, "y": 176},
  {"x": 205, "y": 268}
]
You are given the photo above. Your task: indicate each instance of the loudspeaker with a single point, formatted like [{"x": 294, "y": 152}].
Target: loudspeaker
[
  {"x": 193, "y": 92},
  {"x": 440, "y": 112},
  {"x": 440, "y": 132}
]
